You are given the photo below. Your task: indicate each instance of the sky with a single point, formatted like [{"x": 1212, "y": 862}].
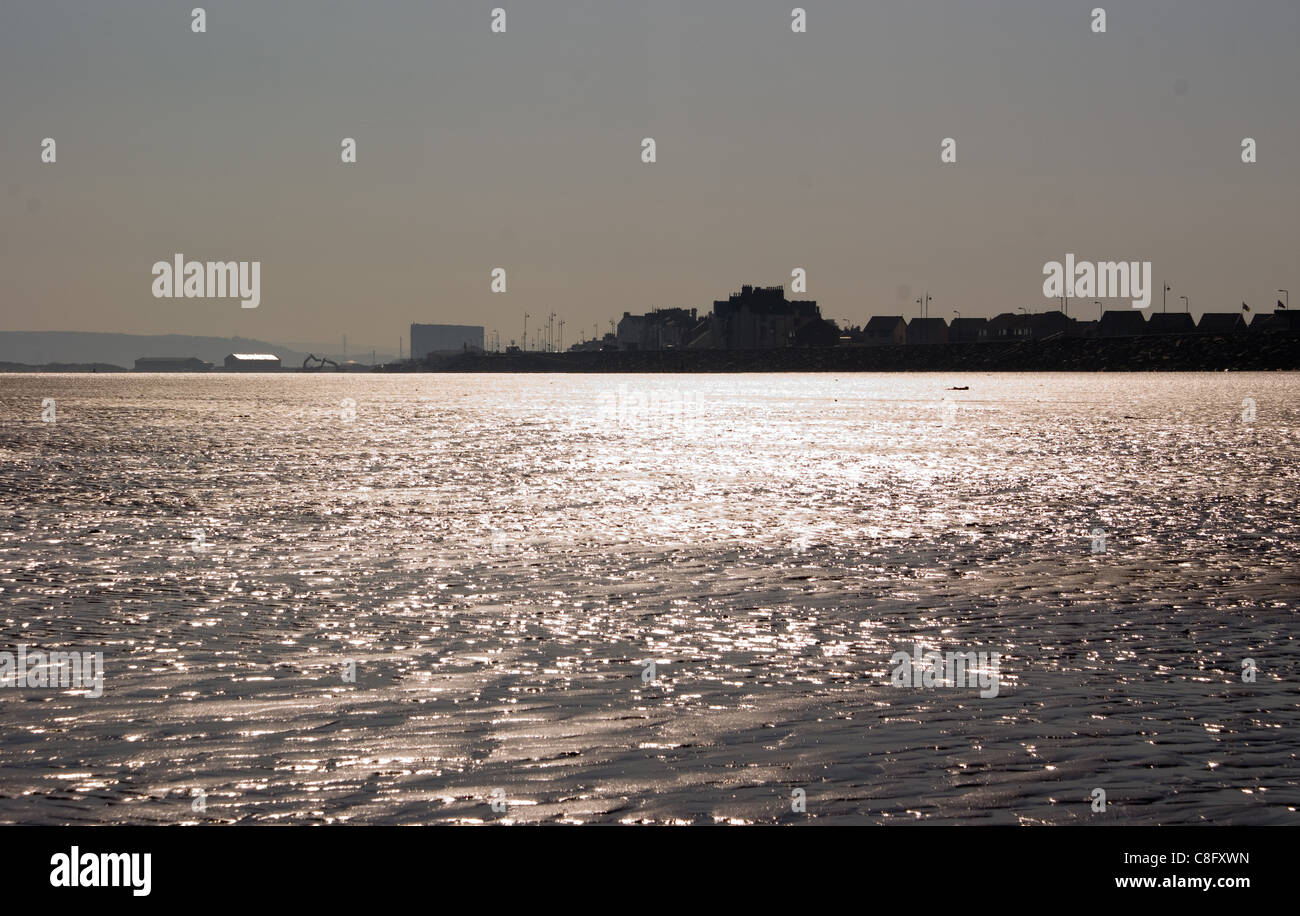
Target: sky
[{"x": 522, "y": 150}]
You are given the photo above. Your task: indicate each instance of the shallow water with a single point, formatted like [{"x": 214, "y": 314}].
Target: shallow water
[{"x": 500, "y": 556}]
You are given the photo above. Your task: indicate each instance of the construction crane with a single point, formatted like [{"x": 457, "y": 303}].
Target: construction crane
[{"x": 320, "y": 363}]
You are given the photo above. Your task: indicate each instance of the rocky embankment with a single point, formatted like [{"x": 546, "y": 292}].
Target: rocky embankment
[{"x": 1172, "y": 353}]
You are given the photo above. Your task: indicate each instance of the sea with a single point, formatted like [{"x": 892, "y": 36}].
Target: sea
[{"x": 652, "y": 599}]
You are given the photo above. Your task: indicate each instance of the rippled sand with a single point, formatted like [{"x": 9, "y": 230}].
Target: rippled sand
[{"x": 501, "y": 555}]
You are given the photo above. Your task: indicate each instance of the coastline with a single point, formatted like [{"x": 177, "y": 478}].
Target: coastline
[{"x": 1277, "y": 351}]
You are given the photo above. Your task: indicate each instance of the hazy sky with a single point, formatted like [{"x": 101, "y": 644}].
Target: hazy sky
[{"x": 775, "y": 150}]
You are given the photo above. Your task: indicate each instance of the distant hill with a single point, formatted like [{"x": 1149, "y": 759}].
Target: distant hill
[
  {"x": 60, "y": 367},
  {"x": 88, "y": 347}
]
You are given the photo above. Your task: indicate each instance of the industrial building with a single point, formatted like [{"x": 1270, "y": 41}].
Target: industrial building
[
  {"x": 171, "y": 364},
  {"x": 444, "y": 338},
  {"x": 252, "y": 362}
]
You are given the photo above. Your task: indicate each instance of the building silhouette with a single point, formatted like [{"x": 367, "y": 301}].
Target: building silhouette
[
  {"x": 1170, "y": 323},
  {"x": 1280, "y": 320},
  {"x": 1052, "y": 325},
  {"x": 965, "y": 330},
  {"x": 1221, "y": 323},
  {"x": 926, "y": 331},
  {"x": 444, "y": 338},
  {"x": 885, "y": 330},
  {"x": 1008, "y": 326},
  {"x": 758, "y": 317},
  {"x": 660, "y": 329},
  {"x": 1121, "y": 323}
]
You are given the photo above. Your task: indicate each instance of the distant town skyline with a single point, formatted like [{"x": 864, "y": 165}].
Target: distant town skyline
[{"x": 774, "y": 150}]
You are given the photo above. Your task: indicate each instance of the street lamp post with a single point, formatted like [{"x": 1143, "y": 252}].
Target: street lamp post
[
  {"x": 1097, "y": 302},
  {"x": 958, "y": 314},
  {"x": 1288, "y": 299},
  {"x": 1163, "y": 307},
  {"x": 1187, "y": 306}
]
